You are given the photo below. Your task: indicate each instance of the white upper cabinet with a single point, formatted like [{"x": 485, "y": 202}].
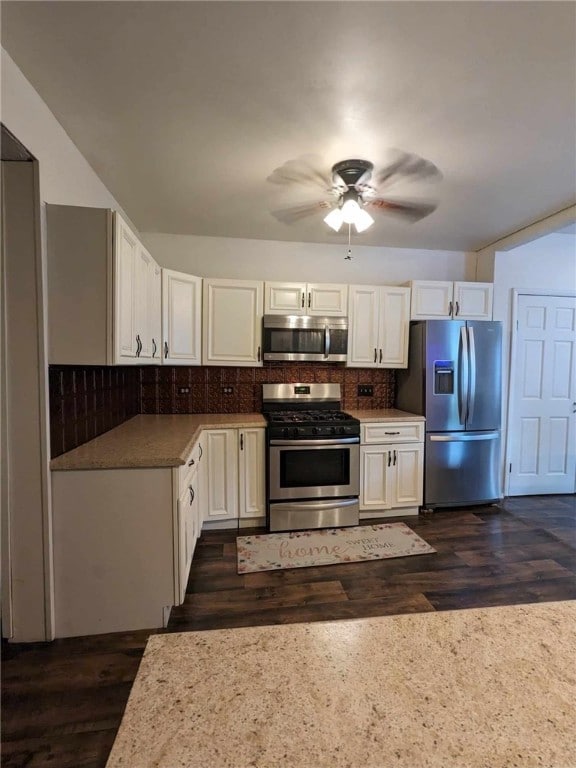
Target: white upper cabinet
[
  {"x": 445, "y": 300},
  {"x": 232, "y": 322},
  {"x": 103, "y": 290},
  {"x": 136, "y": 310},
  {"x": 321, "y": 299},
  {"x": 473, "y": 301},
  {"x": 379, "y": 317},
  {"x": 181, "y": 318},
  {"x": 155, "y": 304}
]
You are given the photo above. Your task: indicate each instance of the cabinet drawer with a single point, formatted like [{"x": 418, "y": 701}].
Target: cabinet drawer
[
  {"x": 187, "y": 470},
  {"x": 393, "y": 432}
]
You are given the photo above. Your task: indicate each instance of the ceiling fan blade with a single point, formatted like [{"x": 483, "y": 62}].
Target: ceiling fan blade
[
  {"x": 306, "y": 169},
  {"x": 297, "y": 212},
  {"x": 406, "y": 166},
  {"x": 414, "y": 210}
]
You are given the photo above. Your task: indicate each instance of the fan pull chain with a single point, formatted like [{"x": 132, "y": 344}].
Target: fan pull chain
[{"x": 349, "y": 256}]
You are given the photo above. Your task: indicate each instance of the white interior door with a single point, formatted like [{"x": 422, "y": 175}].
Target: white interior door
[{"x": 542, "y": 434}]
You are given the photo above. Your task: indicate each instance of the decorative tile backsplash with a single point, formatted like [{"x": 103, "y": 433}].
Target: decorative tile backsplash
[{"x": 86, "y": 401}]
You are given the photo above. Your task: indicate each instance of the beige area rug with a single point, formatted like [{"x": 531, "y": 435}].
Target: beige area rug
[
  {"x": 301, "y": 549},
  {"x": 478, "y": 688}
]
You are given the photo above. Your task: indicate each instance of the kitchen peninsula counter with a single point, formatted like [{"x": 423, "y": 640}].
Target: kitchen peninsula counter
[
  {"x": 479, "y": 687},
  {"x": 150, "y": 441}
]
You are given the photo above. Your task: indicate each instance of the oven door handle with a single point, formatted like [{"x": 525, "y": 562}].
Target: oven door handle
[
  {"x": 297, "y": 442},
  {"x": 316, "y": 505}
]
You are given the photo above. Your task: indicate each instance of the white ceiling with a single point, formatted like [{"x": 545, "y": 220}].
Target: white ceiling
[{"x": 185, "y": 108}]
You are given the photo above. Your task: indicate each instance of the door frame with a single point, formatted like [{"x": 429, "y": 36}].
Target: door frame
[{"x": 513, "y": 367}]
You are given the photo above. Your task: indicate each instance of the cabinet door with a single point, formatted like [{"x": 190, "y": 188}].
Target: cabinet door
[
  {"x": 473, "y": 301},
  {"x": 431, "y": 299},
  {"x": 220, "y": 474},
  {"x": 394, "y": 325},
  {"x": 181, "y": 316},
  {"x": 251, "y": 472},
  {"x": 374, "y": 477},
  {"x": 144, "y": 275},
  {"x": 406, "y": 475},
  {"x": 284, "y": 298},
  {"x": 232, "y": 322},
  {"x": 125, "y": 261},
  {"x": 183, "y": 504},
  {"x": 155, "y": 309},
  {"x": 327, "y": 300},
  {"x": 363, "y": 313}
]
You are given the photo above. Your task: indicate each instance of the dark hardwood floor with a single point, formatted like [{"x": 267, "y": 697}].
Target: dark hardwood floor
[{"x": 63, "y": 701}]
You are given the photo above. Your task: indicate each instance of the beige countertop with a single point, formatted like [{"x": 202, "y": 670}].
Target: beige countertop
[
  {"x": 385, "y": 414},
  {"x": 166, "y": 440},
  {"x": 150, "y": 441},
  {"x": 454, "y": 689}
]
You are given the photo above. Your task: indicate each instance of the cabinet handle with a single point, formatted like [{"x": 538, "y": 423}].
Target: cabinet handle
[
  {"x": 191, "y": 493},
  {"x": 241, "y": 441},
  {"x": 380, "y": 360},
  {"x": 191, "y": 463},
  {"x": 259, "y": 355},
  {"x": 450, "y": 309},
  {"x": 395, "y": 456},
  {"x": 302, "y": 299},
  {"x": 391, "y": 433},
  {"x": 457, "y": 309},
  {"x": 165, "y": 349},
  {"x": 389, "y": 458},
  {"x": 138, "y": 345},
  {"x": 154, "y": 347},
  {"x": 201, "y": 452},
  {"x": 309, "y": 300},
  {"x": 375, "y": 354}
]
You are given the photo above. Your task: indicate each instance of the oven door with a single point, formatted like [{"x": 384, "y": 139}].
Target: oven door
[{"x": 313, "y": 469}]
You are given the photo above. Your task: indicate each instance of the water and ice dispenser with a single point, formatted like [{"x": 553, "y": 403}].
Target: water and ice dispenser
[{"x": 443, "y": 377}]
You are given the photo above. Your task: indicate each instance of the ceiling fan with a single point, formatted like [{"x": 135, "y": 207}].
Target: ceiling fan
[{"x": 357, "y": 189}]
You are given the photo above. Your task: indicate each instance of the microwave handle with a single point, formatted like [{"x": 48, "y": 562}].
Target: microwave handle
[{"x": 327, "y": 341}]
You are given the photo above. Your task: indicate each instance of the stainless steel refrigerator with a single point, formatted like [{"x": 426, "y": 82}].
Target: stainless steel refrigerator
[{"x": 454, "y": 379}]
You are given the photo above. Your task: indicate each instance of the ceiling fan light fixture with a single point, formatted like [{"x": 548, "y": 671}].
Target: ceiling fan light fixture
[
  {"x": 334, "y": 219},
  {"x": 363, "y": 220}
]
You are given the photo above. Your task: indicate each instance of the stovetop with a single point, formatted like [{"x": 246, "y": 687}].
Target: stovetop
[
  {"x": 293, "y": 425},
  {"x": 291, "y": 417},
  {"x": 303, "y": 411}
]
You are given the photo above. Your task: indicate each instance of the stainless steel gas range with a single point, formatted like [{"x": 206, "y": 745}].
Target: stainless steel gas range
[{"x": 313, "y": 458}]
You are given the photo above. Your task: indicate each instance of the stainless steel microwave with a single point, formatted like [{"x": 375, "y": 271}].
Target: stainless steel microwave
[{"x": 305, "y": 338}]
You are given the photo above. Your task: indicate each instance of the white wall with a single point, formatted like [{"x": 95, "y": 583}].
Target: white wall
[
  {"x": 309, "y": 262},
  {"x": 65, "y": 175}
]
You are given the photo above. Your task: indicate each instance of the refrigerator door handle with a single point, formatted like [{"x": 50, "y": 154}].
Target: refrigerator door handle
[
  {"x": 472, "y": 395},
  {"x": 463, "y": 377},
  {"x": 464, "y": 438}
]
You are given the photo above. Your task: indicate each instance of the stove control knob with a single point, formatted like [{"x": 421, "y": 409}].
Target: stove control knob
[
  {"x": 342, "y": 430},
  {"x": 295, "y": 432},
  {"x": 332, "y": 430},
  {"x": 314, "y": 430},
  {"x": 285, "y": 432}
]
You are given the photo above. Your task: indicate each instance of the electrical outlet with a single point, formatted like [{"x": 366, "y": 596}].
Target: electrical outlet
[
  {"x": 365, "y": 390},
  {"x": 183, "y": 390},
  {"x": 228, "y": 390}
]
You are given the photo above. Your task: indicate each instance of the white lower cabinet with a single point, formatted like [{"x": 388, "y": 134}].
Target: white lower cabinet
[
  {"x": 123, "y": 545},
  {"x": 233, "y": 481},
  {"x": 391, "y": 468}
]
